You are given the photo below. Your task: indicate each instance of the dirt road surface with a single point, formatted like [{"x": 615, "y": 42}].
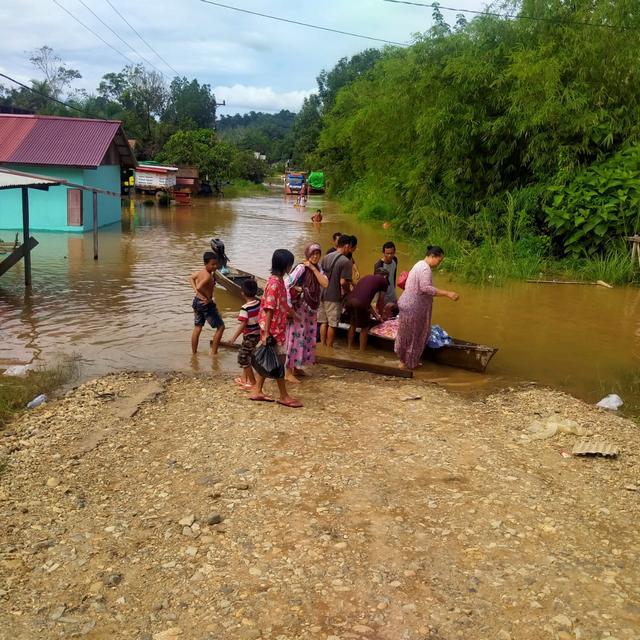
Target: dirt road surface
[{"x": 158, "y": 508}]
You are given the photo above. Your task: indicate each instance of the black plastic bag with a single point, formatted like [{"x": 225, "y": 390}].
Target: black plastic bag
[{"x": 266, "y": 362}]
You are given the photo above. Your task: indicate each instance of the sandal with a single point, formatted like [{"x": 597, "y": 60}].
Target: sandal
[
  {"x": 243, "y": 385},
  {"x": 292, "y": 404},
  {"x": 261, "y": 398}
]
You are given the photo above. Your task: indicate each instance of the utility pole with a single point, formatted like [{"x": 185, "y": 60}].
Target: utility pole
[{"x": 215, "y": 106}]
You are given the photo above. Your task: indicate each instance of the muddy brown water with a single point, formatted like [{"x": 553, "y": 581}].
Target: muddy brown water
[{"x": 131, "y": 309}]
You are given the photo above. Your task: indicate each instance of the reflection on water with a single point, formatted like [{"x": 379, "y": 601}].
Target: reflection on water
[{"x": 131, "y": 309}]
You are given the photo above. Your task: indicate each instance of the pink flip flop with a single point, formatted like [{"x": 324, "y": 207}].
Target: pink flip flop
[
  {"x": 261, "y": 398},
  {"x": 292, "y": 404}
]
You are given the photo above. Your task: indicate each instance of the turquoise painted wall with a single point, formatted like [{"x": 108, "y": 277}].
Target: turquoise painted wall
[
  {"x": 48, "y": 209},
  {"x": 105, "y": 177}
]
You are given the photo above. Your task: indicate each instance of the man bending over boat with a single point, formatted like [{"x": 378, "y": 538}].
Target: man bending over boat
[{"x": 204, "y": 306}]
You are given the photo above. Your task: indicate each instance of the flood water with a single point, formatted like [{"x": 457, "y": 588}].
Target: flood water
[{"x": 131, "y": 309}]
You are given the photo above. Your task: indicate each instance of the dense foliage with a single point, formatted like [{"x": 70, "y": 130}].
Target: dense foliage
[
  {"x": 267, "y": 133},
  {"x": 491, "y": 114}
]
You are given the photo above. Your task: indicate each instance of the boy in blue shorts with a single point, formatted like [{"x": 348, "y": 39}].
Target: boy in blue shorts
[{"x": 204, "y": 306}]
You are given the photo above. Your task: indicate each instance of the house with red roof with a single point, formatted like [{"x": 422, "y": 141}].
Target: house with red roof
[{"x": 82, "y": 152}]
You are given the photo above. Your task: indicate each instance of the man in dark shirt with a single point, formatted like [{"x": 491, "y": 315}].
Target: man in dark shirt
[
  {"x": 389, "y": 263},
  {"x": 359, "y": 305},
  {"x": 337, "y": 267}
]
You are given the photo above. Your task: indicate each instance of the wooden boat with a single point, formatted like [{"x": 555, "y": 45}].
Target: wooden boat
[
  {"x": 9, "y": 247},
  {"x": 460, "y": 354},
  {"x": 232, "y": 281}
]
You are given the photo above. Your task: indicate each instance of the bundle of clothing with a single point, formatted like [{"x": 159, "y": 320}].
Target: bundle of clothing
[{"x": 438, "y": 337}]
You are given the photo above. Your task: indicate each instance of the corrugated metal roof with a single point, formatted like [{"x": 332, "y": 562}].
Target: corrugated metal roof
[
  {"x": 52, "y": 140},
  {"x": 13, "y": 180}
]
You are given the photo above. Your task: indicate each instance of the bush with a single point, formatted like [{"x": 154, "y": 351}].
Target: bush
[{"x": 596, "y": 205}]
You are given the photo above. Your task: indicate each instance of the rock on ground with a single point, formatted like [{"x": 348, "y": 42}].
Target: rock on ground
[{"x": 141, "y": 507}]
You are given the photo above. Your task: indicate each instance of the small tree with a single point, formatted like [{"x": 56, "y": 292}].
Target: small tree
[{"x": 201, "y": 149}]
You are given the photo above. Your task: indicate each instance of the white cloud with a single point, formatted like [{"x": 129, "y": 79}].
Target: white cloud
[{"x": 240, "y": 97}]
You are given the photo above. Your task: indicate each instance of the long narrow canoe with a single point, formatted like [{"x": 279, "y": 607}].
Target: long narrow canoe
[
  {"x": 232, "y": 281},
  {"x": 460, "y": 354}
]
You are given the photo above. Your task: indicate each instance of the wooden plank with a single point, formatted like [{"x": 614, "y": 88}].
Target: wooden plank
[
  {"x": 361, "y": 365},
  {"x": 599, "y": 283},
  {"x": 343, "y": 363},
  {"x": 15, "y": 256}
]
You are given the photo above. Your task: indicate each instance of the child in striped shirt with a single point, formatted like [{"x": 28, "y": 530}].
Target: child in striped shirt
[{"x": 250, "y": 330}]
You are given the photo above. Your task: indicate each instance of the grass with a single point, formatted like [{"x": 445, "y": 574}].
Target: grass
[
  {"x": 15, "y": 392},
  {"x": 242, "y": 188},
  {"x": 494, "y": 247}
]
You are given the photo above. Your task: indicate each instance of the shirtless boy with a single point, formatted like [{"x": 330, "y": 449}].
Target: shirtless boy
[{"x": 204, "y": 307}]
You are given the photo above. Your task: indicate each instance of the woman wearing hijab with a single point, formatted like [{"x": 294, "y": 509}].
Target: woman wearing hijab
[
  {"x": 414, "y": 324},
  {"x": 305, "y": 286}
]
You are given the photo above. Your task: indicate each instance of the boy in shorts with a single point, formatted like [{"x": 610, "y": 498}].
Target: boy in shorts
[
  {"x": 250, "y": 330},
  {"x": 204, "y": 306}
]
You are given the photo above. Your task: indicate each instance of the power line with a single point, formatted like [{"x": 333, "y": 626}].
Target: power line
[
  {"x": 304, "y": 24},
  {"x": 51, "y": 98},
  {"x": 582, "y": 23},
  {"x": 141, "y": 38},
  {"x": 119, "y": 38},
  {"x": 93, "y": 32}
]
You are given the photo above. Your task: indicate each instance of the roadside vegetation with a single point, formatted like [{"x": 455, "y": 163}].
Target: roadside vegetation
[
  {"x": 16, "y": 392},
  {"x": 514, "y": 143}
]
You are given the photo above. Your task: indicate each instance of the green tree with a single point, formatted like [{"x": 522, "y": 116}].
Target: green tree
[
  {"x": 199, "y": 148},
  {"x": 57, "y": 75},
  {"x": 190, "y": 105},
  {"x": 142, "y": 95}
]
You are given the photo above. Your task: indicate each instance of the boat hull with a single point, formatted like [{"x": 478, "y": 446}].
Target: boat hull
[
  {"x": 460, "y": 354},
  {"x": 233, "y": 280}
]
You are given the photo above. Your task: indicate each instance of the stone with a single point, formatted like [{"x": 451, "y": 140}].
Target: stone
[
  {"x": 340, "y": 545},
  {"x": 58, "y": 612},
  {"x": 187, "y": 521},
  {"x": 562, "y": 621},
  {"x": 214, "y": 518},
  {"x": 503, "y": 635},
  {"x": 191, "y": 551},
  {"x": 53, "y": 482},
  {"x": 168, "y": 634},
  {"x": 362, "y": 628},
  {"x": 113, "y": 579}
]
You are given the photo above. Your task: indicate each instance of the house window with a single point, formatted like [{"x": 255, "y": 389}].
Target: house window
[{"x": 74, "y": 207}]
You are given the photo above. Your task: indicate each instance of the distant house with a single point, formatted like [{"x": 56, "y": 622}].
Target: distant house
[
  {"x": 84, "y": 152},
  {"x": 152, "y": 177}
]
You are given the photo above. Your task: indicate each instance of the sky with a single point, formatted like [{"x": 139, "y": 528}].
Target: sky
[{"x": 251, "y": 62}]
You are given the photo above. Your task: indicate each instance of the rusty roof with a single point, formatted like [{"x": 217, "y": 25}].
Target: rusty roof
[{"x": 53, "y": 140}]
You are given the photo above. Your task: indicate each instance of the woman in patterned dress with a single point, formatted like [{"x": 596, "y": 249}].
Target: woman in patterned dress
[
  {"x": 307, "y": 281},
  {"x": 414, "y": 323},
  {"x": 274, "y": 311}
]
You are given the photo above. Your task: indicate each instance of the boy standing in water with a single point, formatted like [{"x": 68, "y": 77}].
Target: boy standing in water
[
  {"x": 250, "y": 330},
  {"x": 204, "y": 307}
]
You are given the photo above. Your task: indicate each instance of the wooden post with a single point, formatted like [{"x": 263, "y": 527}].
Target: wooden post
[
  {"x": 95, "y": 225},
  {"x": 25, "y": 236}
]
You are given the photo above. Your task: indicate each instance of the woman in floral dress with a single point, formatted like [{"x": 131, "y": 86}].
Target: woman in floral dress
[
  {"x": 306, "y": 282},
  {"x": 415, "y": 304}
]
